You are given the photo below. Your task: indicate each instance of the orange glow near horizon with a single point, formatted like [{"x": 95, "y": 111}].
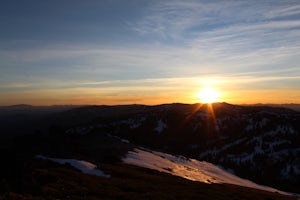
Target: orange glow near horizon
[
  {"x": 84, "y": 97},
  {"x": 177, "y": 90}
]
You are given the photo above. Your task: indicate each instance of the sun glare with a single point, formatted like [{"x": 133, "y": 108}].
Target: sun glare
[{"x": 208, "y": 95}]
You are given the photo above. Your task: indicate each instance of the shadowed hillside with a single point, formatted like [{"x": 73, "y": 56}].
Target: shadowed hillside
[{"x": 259, "y": 143}]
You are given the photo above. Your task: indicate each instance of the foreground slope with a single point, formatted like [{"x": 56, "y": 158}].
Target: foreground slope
[
  {"x": 188, "y": 168},
  {"x": 27, "y": 176}
]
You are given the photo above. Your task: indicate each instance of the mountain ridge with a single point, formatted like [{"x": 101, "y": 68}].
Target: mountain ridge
[{"x": 260, "y": 143}]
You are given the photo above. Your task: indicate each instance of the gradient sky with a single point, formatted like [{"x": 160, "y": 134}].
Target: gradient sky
[{"x": 148, "y": 51}]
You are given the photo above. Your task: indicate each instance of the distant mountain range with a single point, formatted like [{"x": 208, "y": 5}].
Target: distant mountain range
[
  {"x": 260, "y": 143},
  {"x": 293, "y": 106}
]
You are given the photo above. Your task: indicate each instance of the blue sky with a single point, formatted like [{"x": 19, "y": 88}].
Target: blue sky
[{"x": 120, "y": 51}]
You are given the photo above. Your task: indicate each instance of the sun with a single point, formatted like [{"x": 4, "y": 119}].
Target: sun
[{"x": 208, "y": 95}]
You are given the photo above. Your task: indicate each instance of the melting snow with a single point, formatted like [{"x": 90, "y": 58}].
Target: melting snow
[
  {"x": 188, "y": 168},
  {"x": 84, "y": 166}
]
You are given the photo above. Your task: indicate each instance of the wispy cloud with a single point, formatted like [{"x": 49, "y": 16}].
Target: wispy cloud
[
  {"x": 257, "y": 36},
  {"x": 284, "y": 10},
  {"x": 16, "y": 85},
  {"x": 193, "y": 37},
  {"x": 117, "y": 65}
]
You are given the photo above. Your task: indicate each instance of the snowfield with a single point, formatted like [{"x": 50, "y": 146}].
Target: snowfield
[
  {"x": 83, "y": 166},
  {"x": 188, "y": 168}
]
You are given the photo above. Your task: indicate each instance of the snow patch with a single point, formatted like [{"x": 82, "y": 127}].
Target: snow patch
[
  {"x": 119, "y": 138},
  {"x": 188, "y": 168},
  {"x": 290, "y": 170},
  {"x": 160, "y": 126},
  {"x": 133, "y": 123},
  {"x": 82, "y": 165}
]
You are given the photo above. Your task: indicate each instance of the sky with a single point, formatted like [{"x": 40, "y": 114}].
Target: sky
[{"x": 148, "y": 51}]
